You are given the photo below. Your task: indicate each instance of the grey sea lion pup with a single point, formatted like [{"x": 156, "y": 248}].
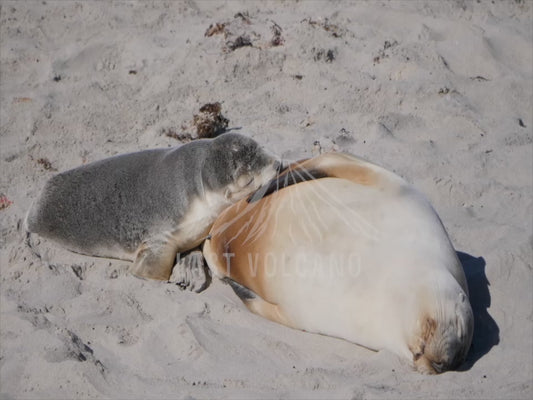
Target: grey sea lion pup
[{"x": 150, "y": 205}]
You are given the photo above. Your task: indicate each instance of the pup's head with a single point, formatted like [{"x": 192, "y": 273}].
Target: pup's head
[{"x": 238, "y": 165}]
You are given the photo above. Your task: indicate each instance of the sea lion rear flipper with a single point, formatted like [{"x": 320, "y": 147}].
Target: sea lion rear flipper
[
  {"x": 190, "y": 272},
  {"x": 154, "y": 260}
]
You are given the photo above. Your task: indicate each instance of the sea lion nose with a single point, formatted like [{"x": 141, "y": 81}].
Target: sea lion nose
[{"x": 439, "y": 367}]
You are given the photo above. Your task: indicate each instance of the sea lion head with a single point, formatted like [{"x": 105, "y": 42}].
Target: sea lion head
[
  {"x": 444, "y": 334},
  {"x": 238, "y": 165}
]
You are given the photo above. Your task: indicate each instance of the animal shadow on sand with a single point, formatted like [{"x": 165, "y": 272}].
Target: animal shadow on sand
[{"x": 486, "y": 331}]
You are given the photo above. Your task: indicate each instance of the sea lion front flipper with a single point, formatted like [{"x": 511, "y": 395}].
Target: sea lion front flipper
[
  {"x": 154, "y": 260},
  {"x": 256, "y": 303},
  {"x": 190, "y": 272}
]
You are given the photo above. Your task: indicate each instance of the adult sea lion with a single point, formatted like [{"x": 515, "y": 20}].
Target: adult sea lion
[{"x": 339, "y": 246}]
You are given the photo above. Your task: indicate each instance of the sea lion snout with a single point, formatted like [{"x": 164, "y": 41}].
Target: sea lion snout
[{"x": 445, "y": 340}]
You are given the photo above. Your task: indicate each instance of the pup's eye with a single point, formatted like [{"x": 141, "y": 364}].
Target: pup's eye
[{"x": 245, "y": 181}]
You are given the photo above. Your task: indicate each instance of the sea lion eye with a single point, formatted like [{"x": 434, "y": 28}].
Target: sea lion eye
[
  {"x": 245, "y": 180},
  {"x": 420, "y": 352}
]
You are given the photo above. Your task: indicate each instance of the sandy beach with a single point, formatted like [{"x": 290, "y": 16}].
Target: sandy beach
[{"x": 441, "y": 93}]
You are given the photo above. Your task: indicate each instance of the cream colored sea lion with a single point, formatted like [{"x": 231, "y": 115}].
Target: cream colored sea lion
[
  {"x": 342, "y": 247},
  {"x": 150, "y": 205}
]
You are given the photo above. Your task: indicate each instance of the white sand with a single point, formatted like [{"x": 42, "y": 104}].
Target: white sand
[{"x": 440, "y": 104}]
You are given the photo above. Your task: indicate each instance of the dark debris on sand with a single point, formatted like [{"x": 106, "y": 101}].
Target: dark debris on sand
[
  {"x": 46, "y": 164},
  {"x": 240, "y": 41},
  {"x": 182, "y": 137},
  {"x": 242, "y": 31},
  {"x": 210, "y": 122}
]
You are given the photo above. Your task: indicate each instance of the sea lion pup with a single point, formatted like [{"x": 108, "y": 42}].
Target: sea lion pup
[
  {"x": 150, "y": 205},
  {"x": 341, "y": 247}
]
